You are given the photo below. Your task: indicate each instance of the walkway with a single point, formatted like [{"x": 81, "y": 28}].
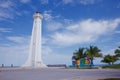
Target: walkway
[{"x": 58, "y": 74}]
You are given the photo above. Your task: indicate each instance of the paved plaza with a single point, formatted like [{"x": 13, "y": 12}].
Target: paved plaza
[{"x": 58, "y": 74}]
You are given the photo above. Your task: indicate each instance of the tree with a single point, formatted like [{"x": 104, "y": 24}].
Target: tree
[
  {"x": 80, "y": 53},
  {"x": 93, "y": 51},
  {"x": 117, "y": 52},
  {"x": 77, "y": 56},
  {"x": 110, "y": 59}
]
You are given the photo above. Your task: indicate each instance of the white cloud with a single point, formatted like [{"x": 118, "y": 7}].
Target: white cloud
[
  {"x": 6, "y": 9},
  {"x": 25, "y": 1},
  {"x": 44, "y": 40},
  {"x": 118, "y": 32},
  {"x": 54, "y": 25},
  {"x": 110, "y": 51},
  {"x": 85, "y": 2},
  {"x": 13, "y": 54},
  {"x": 18, "y": 39},
  {"x": 50, "y": 57},
  {"x": 47, "y": 15},
  {"x": 51, "y": 23},
  {"x": 84, "y": 31},
  {"x": 44, "y": 1},
  {"x": 99, "y": 27},
  {"x": 6, "y": 4},
  {"x": 5, "y": 15},
  {"x": 68, "y": 21},
  {"x": 15, "y": 39},
  {"x": 67, "y": 1},
  {"x": 5, "y": 29}
]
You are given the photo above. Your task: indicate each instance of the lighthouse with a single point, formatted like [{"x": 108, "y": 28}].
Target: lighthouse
[{"x": 35, "y": 51}]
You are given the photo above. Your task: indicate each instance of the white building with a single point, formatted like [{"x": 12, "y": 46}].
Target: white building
[{"x": 34, "y": 59}]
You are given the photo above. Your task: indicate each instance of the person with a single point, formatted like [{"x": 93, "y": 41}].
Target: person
[
  {"x": 11, "y": 65},
  {"x": 2, "y": 65}
]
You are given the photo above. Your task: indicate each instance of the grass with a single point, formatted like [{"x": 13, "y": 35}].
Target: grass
[
  {"x": 111, "y": 79},
  {"x": 115, "y": 66}
]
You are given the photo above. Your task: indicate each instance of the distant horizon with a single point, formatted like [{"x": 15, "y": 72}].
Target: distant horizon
[{"x": 15, "y": 66}]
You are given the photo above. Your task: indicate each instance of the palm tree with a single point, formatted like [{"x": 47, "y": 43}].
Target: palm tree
[
  {"x": 110, "y": 59},
  {"x": 114, "y": 59},
  {"x": 75, "y": 56},
  {"x": 80, "y": 53},
  {"x": 117, "y": 52},
  {"x": 92, "y": 52}
]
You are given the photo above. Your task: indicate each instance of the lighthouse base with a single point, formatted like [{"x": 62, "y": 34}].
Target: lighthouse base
[{"x": 36, "y": 65}]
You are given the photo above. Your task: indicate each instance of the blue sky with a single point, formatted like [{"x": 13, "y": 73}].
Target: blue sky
[{"x": 67, "y": 25}]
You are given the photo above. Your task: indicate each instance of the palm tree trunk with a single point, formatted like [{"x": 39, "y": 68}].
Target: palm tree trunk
[
  {"x": 109, "y": 63},
  {"x": 112, "y": 63},
  {"x": 91, "y": 63}
]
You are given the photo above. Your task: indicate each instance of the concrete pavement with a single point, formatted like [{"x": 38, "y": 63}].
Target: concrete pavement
[{"x": 58, "y": 74}]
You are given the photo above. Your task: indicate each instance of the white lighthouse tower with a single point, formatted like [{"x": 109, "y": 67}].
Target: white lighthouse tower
[{"x": 35, "y": 58}]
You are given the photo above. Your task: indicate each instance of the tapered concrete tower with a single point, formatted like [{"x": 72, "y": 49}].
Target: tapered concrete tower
[{"x": 35, "y": 58}]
